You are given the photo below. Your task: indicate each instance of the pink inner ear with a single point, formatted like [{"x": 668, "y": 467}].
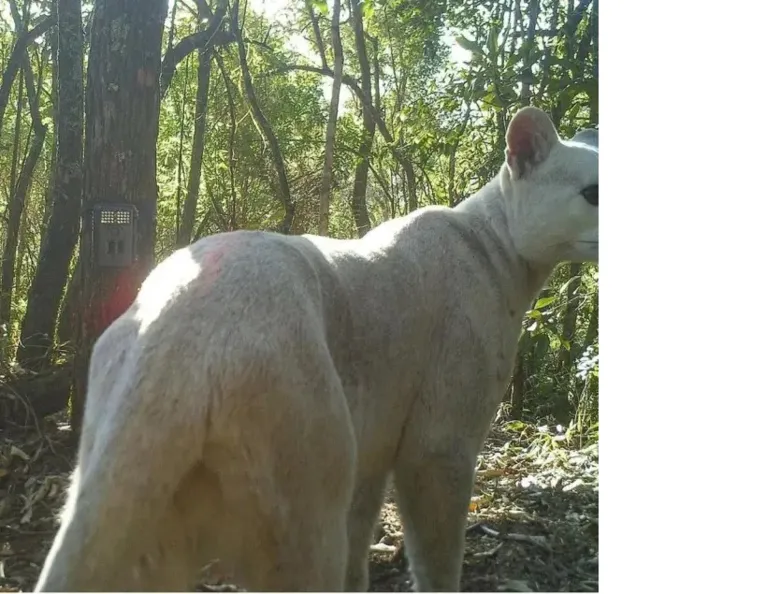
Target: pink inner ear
[{"x": 521, "y": 138}]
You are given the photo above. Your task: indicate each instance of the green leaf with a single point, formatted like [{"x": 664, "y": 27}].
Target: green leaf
[
  {"x": 544, "y": 301},
  {"x": 321, "y": 6},
  {"x": 516, "y": 426},
  {"x": 368, "y": 9}
]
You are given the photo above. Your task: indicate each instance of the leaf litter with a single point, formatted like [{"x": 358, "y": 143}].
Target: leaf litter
[{"x": 532, "y": 522}]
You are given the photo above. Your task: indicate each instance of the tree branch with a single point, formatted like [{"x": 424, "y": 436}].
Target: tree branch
[
  {"x": 214, "y": 34},
  {"x": 317, "y": 33},
  {"x": 264, "y": 126},
  {"x": 354, "y": 85}
]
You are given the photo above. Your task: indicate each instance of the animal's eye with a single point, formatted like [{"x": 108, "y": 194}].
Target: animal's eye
[{"x": 591, "y": 194}]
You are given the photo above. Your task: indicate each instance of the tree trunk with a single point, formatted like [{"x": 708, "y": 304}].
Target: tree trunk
[
  {"x": 359, "y": 198},
  {"x": 231, "y": 223},
  {"x": 53, "y": 40},
  {"x": 527, "y": 77},
  {"x": 46, "y": 292},
  {"x": 264, "y": 127},
  {"x": 318, "y": 32},
  {"x": 198, "y": 147},
  {"x": 19, "y": 195},
  {"x": 326, "y": 187},
  {"x": 12, "y": 178},
  {"x": 593, "y": 96},
  {"x": 181, "y": 110},
  {"x": 121, "y": 129},
  {"x": 375, "y": 121},
  {"x": 451, "y": 191},
  {"x": 172, "y": 30},
  {"x": 66, "y": 332}
]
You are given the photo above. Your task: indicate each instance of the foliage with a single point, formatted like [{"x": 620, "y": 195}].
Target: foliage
[{"x": 447, "y": 75}]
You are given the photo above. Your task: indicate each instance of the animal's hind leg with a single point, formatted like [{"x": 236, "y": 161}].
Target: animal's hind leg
[
  {"x": 189, "y": 534},
  {"x": 291, "y": 467},
  {"x": 88, "y": 555}
]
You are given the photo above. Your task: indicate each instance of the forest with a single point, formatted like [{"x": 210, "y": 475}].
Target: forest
[{"x": 292, "y": 116}]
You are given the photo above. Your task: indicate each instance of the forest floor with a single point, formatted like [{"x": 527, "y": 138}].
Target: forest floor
[{"x": 532, "y": 526}]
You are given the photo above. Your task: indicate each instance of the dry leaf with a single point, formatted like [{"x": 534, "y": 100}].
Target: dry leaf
[{"x": 477, "y": 501}]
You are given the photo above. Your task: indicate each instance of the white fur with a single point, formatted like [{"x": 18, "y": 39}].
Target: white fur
[{"x": 252, "y": 402}]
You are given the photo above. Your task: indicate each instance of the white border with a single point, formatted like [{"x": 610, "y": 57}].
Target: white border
[{"x": 682, "y": 323}]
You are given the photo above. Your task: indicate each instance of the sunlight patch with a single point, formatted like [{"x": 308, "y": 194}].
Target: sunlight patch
[{"x": 166, "y": 281}]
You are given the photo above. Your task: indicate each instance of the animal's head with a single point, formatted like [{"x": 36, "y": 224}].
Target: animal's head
[{"x": 554, "y": 190}]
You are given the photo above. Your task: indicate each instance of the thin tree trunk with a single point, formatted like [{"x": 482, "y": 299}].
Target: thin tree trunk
[
  {"x": 451, "y": 192},
  {"x": 47, "y": 289},
  {"x": 318, "y": 32},
  {"x": 53, "y": 39},
  {"x": 180, "y": 165},
  {"x": 264, "y": 127},
  {"x": 198, "y": 147},
  {"x": 121, "y": 130},
  {"x": 232, "y": 138},
  {"x": 593, "y": 96},
  {"x": 172, "y": 31},
  {"x": 376, "y": 122},
  {"x": 359, "y": 197},
  {"x": 12, "y": 181},
  {"x": 326, "y": 187},
  {"x": 527, "y": 76},
  {"x": 16, "y": 59},
  {"x": 66, "y": 331},
  {"x": 19, "y": 195}
]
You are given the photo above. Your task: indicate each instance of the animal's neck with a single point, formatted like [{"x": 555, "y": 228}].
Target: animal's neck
[{"x": 490, "y": 213}]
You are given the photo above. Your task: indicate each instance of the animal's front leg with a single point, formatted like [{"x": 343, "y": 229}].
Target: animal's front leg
[{"x": 433, "y": 493}]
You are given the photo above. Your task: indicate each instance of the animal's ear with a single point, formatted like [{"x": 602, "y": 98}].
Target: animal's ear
[
  {"x": 530, "y": 137},
  {"x": 587, "y": 136}
]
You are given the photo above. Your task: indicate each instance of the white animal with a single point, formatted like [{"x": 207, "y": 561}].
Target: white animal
[{"x": 252, "y": 402}]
